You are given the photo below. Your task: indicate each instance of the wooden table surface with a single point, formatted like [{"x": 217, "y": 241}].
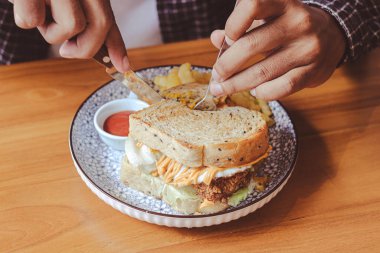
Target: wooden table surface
[{"x": 331, "y": 203}]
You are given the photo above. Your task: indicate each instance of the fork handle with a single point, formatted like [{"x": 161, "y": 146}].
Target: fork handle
[{"x": 223, "y": 48}]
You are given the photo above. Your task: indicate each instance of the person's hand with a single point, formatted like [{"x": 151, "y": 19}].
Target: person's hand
[
  {"x": 83, "y": 26},
  {"x": 303, "y": 45}
]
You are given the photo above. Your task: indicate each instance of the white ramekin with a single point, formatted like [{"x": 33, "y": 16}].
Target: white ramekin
[{"x": 106, "y": 110}]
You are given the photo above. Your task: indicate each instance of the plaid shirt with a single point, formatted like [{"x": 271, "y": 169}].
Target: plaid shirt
[
  {"x": 193, "y": 19},
  {"x": 16, "y": 44},
  {"x": 360, "y": 21}
]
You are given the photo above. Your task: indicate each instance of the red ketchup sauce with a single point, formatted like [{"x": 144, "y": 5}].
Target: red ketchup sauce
[{"x": 118, "y": 123}]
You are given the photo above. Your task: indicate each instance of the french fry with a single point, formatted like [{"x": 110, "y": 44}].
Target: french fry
[
  {"x": 184, "y": 74},
  {"x": 166, "y": 82},
  {"x": 173, "y": 71},
  {"x": 159, "y": 81},
  {"x": 181, "y": 75},
  {"x": 173, "y": 79},
  {"x": 268, "y": 119},
  {"x": 265, "y": 109},
  {"x": 244, "y": 99},
  {"x": 201, "y": 77}
]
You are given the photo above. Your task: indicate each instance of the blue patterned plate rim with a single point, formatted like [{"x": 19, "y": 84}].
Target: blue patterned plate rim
[{"x": 292, "y": 166}]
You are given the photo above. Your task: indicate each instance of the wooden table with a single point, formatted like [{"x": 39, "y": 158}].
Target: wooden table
[{"x": 331, "y": 203}]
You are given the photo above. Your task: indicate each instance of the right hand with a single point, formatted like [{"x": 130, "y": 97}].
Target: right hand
[
  {"x": 81, "y": 26},
  {"x": 302, "y": 45}
]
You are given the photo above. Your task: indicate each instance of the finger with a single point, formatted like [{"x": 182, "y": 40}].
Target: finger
[
  {"x": 217, "y": 38},
  {"x": 68, "y": 21},
  {"x": 257, "y": 23},
  {"x": 247, "y": 11},
  {"x": 116, "y": 49},
  {"x": 29, "y": 13},
  {"x": 99, "y": 21},
  {"x": 291, "y": 82},
  {"x": 267, "y": 69},
  {"x": 265, "y": 38}
]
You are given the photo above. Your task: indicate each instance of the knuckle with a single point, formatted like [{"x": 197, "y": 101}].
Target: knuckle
[
  {"x": 31, "y": 21},
  {"x": 314, "y": 49},
  {"x": 229, "y": 88},
  {"x": 250, "y": 42},
  {"x": 253, "y": 5},
  {"x": 103, "y": 22},
  {"x": 316, "y": 44},
  {"x": 222, "y": 68},
  {"x": 231, "y": 30},
  {"x": 304, "y": 21},
  {"x": 280, "y": 30},
  {"x": 262, "y": 73},
  {"x": 75, "y": 25},
  {"x": 289, "y": 86}
]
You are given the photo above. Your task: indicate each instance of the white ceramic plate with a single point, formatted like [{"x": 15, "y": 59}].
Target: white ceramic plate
[{"x": 98, "y": 165}]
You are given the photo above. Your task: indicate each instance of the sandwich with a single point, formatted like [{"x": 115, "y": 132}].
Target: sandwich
[{"x": 198, "y": 162}]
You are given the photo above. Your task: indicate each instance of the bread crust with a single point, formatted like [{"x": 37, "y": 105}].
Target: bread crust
[{"x": 226, "y": 152}]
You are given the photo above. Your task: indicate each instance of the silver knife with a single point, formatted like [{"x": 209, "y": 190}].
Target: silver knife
[{"x": 129, "y": 78}]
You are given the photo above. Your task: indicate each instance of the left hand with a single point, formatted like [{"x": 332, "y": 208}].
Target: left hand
[
  {"x": 80, "y": 26},
  {"x": 303, "y": 46}
]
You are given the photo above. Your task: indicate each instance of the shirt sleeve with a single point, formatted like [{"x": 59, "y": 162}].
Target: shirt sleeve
[
  {"x": 359, "y": 20},
  {"x": 16, "y": 44}
]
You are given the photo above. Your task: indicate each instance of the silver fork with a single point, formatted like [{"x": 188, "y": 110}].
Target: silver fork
[{"x": 222, "y": 49}]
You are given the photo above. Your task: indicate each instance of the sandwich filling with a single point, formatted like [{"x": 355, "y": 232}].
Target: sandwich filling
[{"x": 211, "y": 183}]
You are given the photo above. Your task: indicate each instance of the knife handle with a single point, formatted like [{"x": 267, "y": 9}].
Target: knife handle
[{"x": 103, "y": 57}]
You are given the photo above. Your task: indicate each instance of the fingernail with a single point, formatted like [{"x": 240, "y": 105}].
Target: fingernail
[
  {"x": 216, "y": 89},
  {"x": 253, "y": 92},
  {"x": 229, "y": 41},
  {"x": 18, "y": 19},
  {"x": 64, "y": 51},
  {"x": 215, "y": 77},
  {"x": 126, "y": 65}
]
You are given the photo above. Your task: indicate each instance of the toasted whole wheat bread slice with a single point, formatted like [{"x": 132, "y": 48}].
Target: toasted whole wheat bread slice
[{"x": 232, "y": 136}]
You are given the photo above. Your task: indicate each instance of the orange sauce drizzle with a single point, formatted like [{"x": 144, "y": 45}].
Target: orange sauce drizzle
[{"x": 169, "y": 168}]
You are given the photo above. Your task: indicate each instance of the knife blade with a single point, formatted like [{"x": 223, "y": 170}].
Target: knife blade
[{"x": 130, "y": 79}]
